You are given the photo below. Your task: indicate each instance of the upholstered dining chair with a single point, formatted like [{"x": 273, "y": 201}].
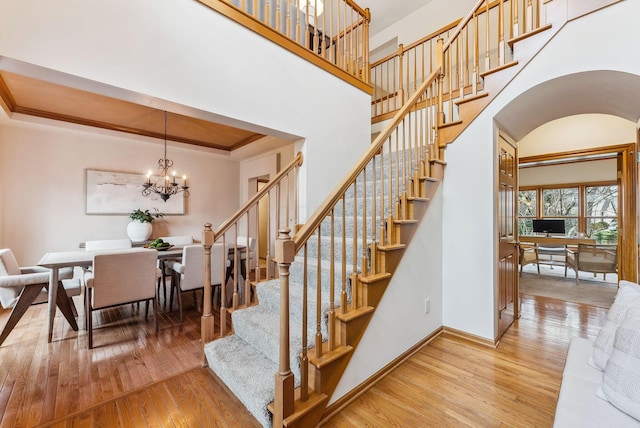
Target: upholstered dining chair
[
  {"x": 20, "y": 287},
  {"x": 596, "y": 259},
  {"x": 119, "y": 277},
  {"x": 189, "y": 272},
  {"x": 176, "y": 240}
]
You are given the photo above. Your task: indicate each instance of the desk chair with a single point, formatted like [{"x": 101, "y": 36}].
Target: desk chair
[
  {"x": 528, "y": 255},
  {"x": 189, "y": 273},
  {"x": 592, "y": 258},
  {"x": 21, "y": 287},
  {"x": 121, "y": 277}
]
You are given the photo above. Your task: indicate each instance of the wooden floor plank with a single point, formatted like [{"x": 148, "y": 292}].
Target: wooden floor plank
[{"x": 135, "y": 377}]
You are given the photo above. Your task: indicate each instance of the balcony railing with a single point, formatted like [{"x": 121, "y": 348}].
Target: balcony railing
[{"x": 333, "y": 34}]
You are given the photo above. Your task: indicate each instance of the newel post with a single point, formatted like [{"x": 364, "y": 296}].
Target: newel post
[
  {"x": 206, "y": 326},
  {"x": 284, "y": 386}
]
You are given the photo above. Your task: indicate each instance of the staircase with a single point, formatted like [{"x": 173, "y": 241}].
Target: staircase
[{"x": 334, "y": 271}]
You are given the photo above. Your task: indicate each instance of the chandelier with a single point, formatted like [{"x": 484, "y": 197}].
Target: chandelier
[{"x": 165, "y": 184}]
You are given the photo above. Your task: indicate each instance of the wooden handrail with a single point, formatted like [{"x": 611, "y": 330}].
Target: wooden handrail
[
  {"x": 224, "y": 227},
  {"x": 462, "y": 24},
  {"x": 327, "y": 205}
]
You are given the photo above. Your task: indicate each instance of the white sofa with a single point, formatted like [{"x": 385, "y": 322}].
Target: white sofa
[
  {"x": 601, "y": 379},
  {"x": 578, "y": 405}
]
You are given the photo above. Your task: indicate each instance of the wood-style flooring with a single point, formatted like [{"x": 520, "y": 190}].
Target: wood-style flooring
[{"x": 134, "y": 378}]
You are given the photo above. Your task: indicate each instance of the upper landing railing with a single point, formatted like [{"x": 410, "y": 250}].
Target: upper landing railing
[
  {"x": 332, "y": 34},
  {"x": 474, "y": 46}
]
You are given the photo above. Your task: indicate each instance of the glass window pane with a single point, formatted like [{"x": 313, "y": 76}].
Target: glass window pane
[
  {"x": 603, "y": 230},
  {"x": 571, "y": 226},
  {"x": 525, "y": 226},
  {"x": 602, "y": 201},
  {"x": 560, "y": 202},
  {"x": 527, "y": 203}
]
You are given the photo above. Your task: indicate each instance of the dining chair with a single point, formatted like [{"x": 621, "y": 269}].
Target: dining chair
[
  {"x": 165, "y": 265},
  {"x": 189, "y": 272},
  {"x": 21, "y": 287},
  {"x": 120, "y": 277}
]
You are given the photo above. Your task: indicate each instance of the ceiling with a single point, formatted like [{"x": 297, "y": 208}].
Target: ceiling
[
  {"x": 63, "y": 99},
  {"x": 27, "y": 95}
]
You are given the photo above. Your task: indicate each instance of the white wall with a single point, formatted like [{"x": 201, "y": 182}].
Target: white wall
[
  {"x": 577, "y": 132},
  {"x": 574, "y": 133},
  {"x": 392, "y": 331},
  {"x": 468, "y": 293},
  {"x": 191, "y": 57},
  {"x": 429, "y": 18},
  {"x": 43, "y": 209}
]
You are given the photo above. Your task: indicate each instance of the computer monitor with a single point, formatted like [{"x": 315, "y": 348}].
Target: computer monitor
[{"x": 548, "y": 226}]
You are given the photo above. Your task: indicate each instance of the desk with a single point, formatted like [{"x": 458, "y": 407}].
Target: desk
[
  {"x": 556, "y": 240},
  {"x": 57, "y": 260}
]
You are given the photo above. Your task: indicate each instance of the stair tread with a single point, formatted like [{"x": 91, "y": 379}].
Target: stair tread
[{"x": 255, "y": 387}]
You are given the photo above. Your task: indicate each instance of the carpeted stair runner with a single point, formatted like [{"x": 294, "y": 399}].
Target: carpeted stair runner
[{"x": 248, "y": 359}]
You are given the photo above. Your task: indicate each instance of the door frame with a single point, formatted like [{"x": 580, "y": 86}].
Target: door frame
[{"x": 627, "y": 177}]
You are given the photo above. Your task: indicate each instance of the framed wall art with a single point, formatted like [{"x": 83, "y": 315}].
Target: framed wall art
[{"x": 111, "y": 192}]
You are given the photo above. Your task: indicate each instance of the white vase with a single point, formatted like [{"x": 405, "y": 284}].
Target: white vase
[{"x": 139, "y": 231}]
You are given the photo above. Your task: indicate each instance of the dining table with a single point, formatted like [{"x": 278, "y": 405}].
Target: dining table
[{"x": 54, "y": 261}]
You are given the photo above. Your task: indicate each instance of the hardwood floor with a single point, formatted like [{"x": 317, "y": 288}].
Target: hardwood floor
[
  {"x": 453, "y": 382},
  {"x": 135, "y": 378}
]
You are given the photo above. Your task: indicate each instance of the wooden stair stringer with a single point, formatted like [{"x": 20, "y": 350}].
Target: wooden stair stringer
[
  {"x": 325, "y": 372},
  {"x": 525, "y": 48}
]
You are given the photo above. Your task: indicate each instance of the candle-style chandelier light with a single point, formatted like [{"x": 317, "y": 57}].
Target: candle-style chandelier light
[{"x": 165, "y": 184}]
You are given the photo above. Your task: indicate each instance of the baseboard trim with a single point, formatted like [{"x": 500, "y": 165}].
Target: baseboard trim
[
  {"x": 470, "y": 337},
  {"x": 356, "y": 392}
]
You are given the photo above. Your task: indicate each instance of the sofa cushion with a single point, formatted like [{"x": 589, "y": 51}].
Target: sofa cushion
[
  {"x": 625, "y": 305},
  {"x": 578, "y": 405},
  {"x": 621, "y": 380}
]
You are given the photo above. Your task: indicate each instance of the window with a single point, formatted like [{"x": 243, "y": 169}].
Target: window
[
  {"x": 527, "y": 211},
  {"x": 562, "y": 203},
  {"x": 602, "y": 214},
  {"x": 591, "y": 209}
]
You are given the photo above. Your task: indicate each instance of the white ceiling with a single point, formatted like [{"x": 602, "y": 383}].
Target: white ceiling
[{"x": 386, "y": 12}]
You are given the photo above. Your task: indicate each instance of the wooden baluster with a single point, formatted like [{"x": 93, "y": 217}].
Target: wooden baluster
[
  {"x": 354, "y": 244},
  {"x": 374, "y": 222},
  {"x": 400, "y": 96},
  {"x": 515, "y": 25},
  {"x": 267, "y": 13},
  {"x": 254, "y": 9},
  {"x": 298, "y": 18},
  {"x": 476, "y": 56},
  {"x": 529, "y": 18},
  {"x": 284, "y": 381},
  {"x": 268, "y": 272},
  {"x": 236, "y": 285},
  {"x": 288, "y": 21},
  {"x": 487, "y": 65},
  {"x": 318, "y": 341},
  {"x": 332, "y": 274},
  {"x": 247, "y": 267},
  {"x": 207, "y": 321},
  {"x": 304, "y": 359},
  {"x": 278, "y": 17},
  {"x": 365, "y": 48},
  {"x": 501, "y": 42},
  {"x": 223, "y": 296},
  {"x": 364, "y": 269},
  {"x": 396, "y": 177},
  {"x": 390, "y": 195},
  {"x": 343, "y": 292}
]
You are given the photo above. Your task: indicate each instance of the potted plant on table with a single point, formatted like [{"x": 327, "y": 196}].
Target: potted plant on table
[{"x": 140, "y": 227}]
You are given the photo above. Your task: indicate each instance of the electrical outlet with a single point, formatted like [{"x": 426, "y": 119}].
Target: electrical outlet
[{"x": 427, "y": 306}]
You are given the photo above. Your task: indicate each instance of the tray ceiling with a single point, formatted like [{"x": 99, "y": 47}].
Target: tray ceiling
[{"x": 30, "y": 96}]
